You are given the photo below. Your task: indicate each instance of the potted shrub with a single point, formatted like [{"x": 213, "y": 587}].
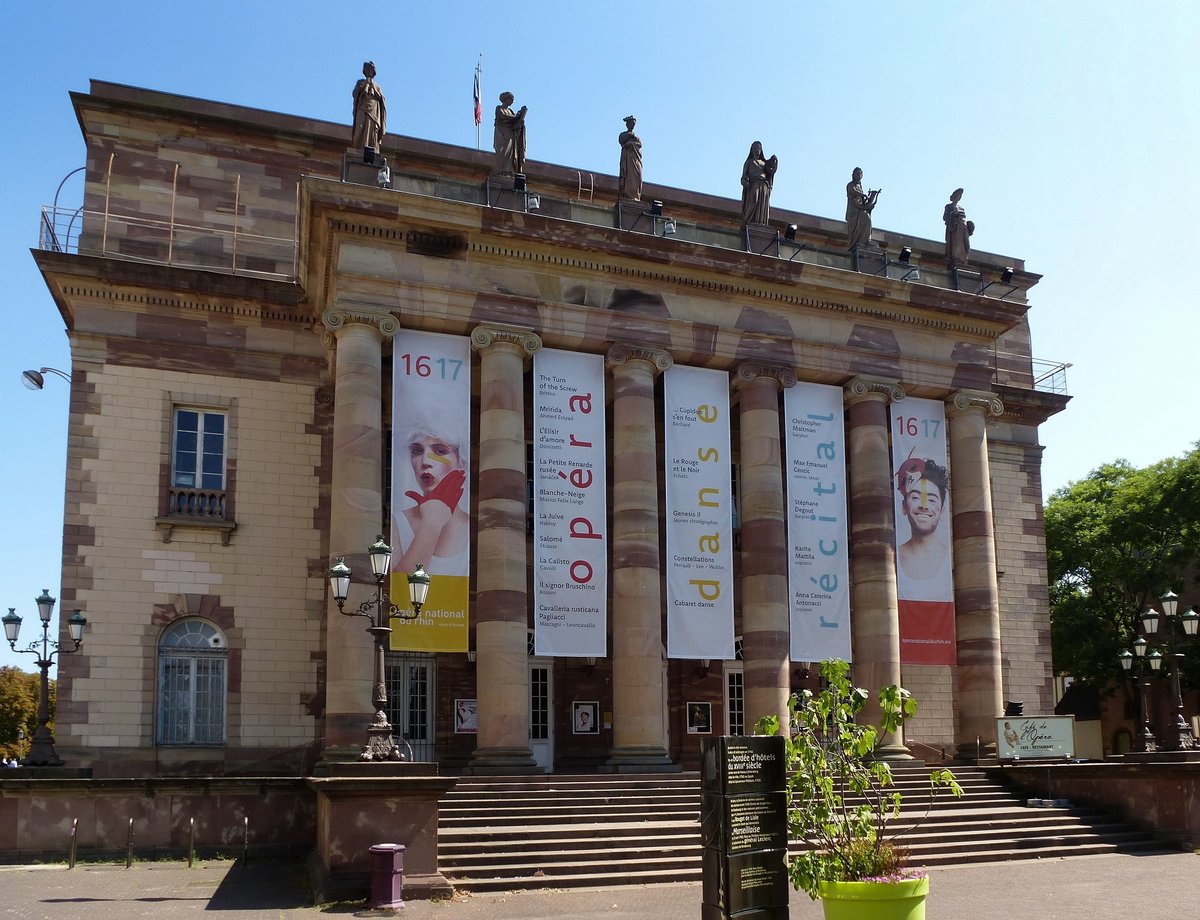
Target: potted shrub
[{"x": 850, "y": 861}]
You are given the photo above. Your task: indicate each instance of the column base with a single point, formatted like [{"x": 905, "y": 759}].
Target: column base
[
  {"x": 502, "y": 761},
  {"x": 639, "y": 759},
  {"x": 894, "y": 753},
  {"x": 972, "y": 753}
]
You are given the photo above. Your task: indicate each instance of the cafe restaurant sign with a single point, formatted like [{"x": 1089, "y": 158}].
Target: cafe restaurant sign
[{"x": 1040, "y": 738}]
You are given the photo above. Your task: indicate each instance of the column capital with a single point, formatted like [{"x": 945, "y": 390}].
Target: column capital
[
  {"x": 864, "y": 388},
  {"x": 622, "y": 352},
  {"x": 749, "y": 371},
  {"x": 339, "y": 316},
  {"x": 489, "y": 334},
  {"x": 969, "y": 400}
]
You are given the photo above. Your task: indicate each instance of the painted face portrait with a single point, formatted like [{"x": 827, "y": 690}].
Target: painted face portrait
[
  {"x": 923, "y": 506},
  {"x": 432, "y": 459}
]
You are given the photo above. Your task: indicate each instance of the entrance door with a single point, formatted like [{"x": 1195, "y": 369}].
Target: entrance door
[
  {"x": 541, "y": 707},
  {"x": 411, "y": 688}
]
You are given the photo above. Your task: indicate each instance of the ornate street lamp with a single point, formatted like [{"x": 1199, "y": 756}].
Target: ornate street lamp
[
  {"x": 1141, "y": 679},
  {"x": 379, "y": 611},
  {"x": 1181, "y": 737},
  {"x": 41, "y": 749}
]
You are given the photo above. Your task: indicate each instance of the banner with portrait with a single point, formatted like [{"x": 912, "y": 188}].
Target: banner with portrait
[
  {"x": 924, "y": 562},
  {"x": 570, "y": 505},
  {"x": 818, "y": 539},
  {"x": 431, "y": 486},
  {"x": 698, "y": 514}
]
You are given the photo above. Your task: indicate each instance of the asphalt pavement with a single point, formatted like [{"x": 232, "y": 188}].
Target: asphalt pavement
[{"x": 1149, "y": 887}]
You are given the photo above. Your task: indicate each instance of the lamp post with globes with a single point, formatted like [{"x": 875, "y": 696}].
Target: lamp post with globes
[
  {"x": 379, "y": 611},
  {"x": 41, "y": 749},
  {"x": 1141, "y": 678},
  {"x": 1180, "y": 737}
]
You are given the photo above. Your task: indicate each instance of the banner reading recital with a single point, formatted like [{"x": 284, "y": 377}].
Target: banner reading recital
[
  {"x": 924, "y": 567},
  {"x": 818, "y": 540},
  {"x": 699, "y": 514},
  {"x": 570, "y": 505},
  {"x": 431, "y": 482}
]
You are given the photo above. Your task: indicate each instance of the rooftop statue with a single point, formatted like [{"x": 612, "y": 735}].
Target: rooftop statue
[
  {"x": 958, "y": 232},
  {"x": 509, "y": 138},
  {"x": 629, "y": 185},
  {"x": 370, "y": 112},
  {"x": 758, "y": 176},
  {"x": 859, "y": 205}
]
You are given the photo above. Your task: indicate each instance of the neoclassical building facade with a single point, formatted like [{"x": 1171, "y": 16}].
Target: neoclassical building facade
[{"x": 247, "y": 303}]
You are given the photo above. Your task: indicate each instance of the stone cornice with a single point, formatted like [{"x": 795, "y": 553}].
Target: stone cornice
[
  {"x": 749, "y": 371},
  {"x": 864, "y": 388},
  {"x": 970, "y": 400},
  {"x": 483, "y": 337},
  {"x": 622, "y": 352}
]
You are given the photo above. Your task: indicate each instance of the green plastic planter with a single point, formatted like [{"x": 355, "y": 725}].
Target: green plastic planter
[{"x": 875, "y": 900}]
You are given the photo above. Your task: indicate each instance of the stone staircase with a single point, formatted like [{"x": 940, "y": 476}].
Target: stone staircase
[{"x": 566, "y": 830}]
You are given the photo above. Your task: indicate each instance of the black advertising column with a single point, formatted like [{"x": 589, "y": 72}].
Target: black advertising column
[{"x": 743, "y": 824}]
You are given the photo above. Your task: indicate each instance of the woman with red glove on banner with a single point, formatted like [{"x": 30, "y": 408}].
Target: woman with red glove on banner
[{"x": 434, "y": 530}]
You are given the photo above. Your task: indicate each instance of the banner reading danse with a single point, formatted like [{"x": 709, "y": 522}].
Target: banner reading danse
[
  {"x": 924, "y": 567},
  {"x": 698, "y": 509},
  {"x": 818, "y": 541},
  {"x": 431, "y": 479},
  {"x": 570, "y": 504}
]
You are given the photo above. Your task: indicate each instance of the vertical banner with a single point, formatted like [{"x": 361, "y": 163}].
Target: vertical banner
[
  {"x": 818, "y": 539},
  {"x": 924, "y": 567},
  {"x": 570, "y": 505},
  {"x": 431, "y": 481},
  {"x": 699, "y": 514}
]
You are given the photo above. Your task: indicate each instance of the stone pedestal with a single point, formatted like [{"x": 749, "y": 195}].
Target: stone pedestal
[
  {"x": 761, "y": 238},
  {"x": 355, "y": 170},
  {"x": 365, "y": 804}
]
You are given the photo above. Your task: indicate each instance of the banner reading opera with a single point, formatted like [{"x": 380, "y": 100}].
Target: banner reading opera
[
  {"x": 699, "y": 514},
  {"x": 818, "y": 540},
  {"x": 570, "y": 505},
  {"x": 924, "y": 565},
  {"x": 431, "y": 479}
]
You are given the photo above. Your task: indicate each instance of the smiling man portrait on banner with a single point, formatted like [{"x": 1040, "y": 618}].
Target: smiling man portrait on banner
[{"x": 924, "y": 562}]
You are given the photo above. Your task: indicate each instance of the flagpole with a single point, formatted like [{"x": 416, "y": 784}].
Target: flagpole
[{"x": 479, "y": 99}]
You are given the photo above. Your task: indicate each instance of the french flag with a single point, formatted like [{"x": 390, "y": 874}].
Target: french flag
[{"x": 478, "y": 101}]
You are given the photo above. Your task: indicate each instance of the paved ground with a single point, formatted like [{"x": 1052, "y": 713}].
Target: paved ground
[{"x": 1154, "y": 887}]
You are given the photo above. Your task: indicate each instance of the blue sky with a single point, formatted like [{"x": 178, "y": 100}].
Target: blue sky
[{"x": 1071, "y": 125}]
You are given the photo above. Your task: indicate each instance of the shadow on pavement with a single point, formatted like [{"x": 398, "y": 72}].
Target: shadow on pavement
[{"x": 270, "y": 885}]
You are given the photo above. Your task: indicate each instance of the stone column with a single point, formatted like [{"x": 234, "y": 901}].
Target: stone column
[
  {"x": 976, "y": 590},
  {"x": 639, "y": 726},
  {"x": 762, "y": 510},
  {"x": 501, "y": 598},
  {"x": 355, "y": 517},
  {"x": 876, "y": 612}
]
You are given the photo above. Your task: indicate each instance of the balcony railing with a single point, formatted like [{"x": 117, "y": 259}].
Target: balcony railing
[
  {"x": 168, "y": 242},
  {"x": 196, "y": 504}
]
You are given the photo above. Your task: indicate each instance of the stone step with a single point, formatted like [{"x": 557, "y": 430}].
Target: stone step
[{"x": 568, "y": 831}]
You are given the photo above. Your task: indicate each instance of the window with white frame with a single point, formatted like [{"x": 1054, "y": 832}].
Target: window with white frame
[
  {"x": 198, "y": 449},
  {"x": 191, "y": 684}
]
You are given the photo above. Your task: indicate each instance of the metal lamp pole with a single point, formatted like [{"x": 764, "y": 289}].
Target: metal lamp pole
[
  {"x": 1141, "y": 679},
  {"x": 379, "y": 611},
  {"x": 41, "y": 749},
  {"x": 1181, "y": 737}
]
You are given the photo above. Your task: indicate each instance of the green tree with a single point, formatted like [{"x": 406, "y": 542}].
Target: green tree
[
  {"x": 1115, "y": 541},
  {"x": 18, "y": 710}
]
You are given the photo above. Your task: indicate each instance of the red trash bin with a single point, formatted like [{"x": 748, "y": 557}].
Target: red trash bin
[{"x": 387, "y": 875}]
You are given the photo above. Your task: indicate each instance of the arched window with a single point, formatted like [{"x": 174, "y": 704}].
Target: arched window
[{"x": 191, "y": 684}]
